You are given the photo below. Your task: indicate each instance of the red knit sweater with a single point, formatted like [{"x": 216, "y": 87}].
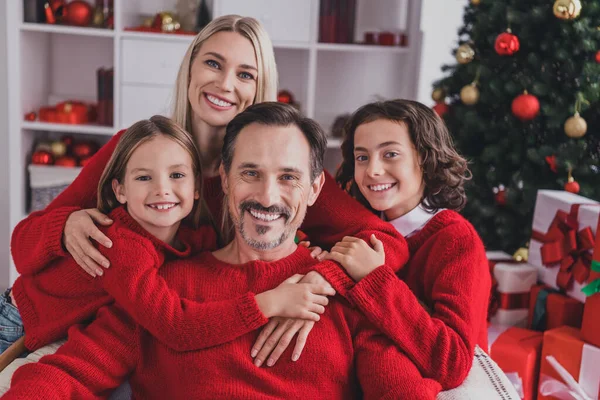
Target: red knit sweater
[
  {"x": 37, "y": 240},
  {"x": 63, "y": 294},
  {"x": 448, "y": 271},
  {"x": 345, "y": 352}
]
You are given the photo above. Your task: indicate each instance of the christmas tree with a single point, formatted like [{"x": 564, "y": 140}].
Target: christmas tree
[{"x": 523, "y": 104}]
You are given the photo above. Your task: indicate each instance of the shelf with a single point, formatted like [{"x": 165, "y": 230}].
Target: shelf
[
  {"x": 69, "y": 30},
  {"x": 358, "y": 48},
  {"x": 70, "y": 128}
]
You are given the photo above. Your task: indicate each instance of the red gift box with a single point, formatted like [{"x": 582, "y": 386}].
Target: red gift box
[
  {"x": 590, "y": 328},
  {"x": 518, "y": 350},
  {"x": 560, "y": 310},
  {"x": 578, "y": 361}
]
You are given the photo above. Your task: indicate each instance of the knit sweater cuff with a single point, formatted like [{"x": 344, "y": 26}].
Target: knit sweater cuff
[
  {"x": 336, "y": 276},
  {"x": 28, "y": 315},
  {"x": 59, "y": 216},
  {"x": 369, "y": 289},
  {"x": 249, "y": 313}
]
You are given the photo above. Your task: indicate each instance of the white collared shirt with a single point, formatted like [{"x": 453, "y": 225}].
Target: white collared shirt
[{"x": 413, "y": 221}]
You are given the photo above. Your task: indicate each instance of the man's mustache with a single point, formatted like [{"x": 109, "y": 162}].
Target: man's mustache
[{"x": 274, "y": 209}]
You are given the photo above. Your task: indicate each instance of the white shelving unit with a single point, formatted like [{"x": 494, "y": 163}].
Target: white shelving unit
[{"x": 52, "y": 63}]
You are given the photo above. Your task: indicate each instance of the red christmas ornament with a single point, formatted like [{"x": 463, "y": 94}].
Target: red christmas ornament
[
  {"x": 598, "y": 56},
  {"x": 525, "y": 107},
  {"x": 42, "y": 157},
  {"x": 551, "y": 160},
  {"x": 572, "y": 185},
  {"x": 441, "y": 109},
  {"x": 66, "y": 161},
  {"x": 507, "y": 44},
  {"x": 84, "y": 161},
  {"x": 30, "y": 116},
  {"x": 78, "y": 13},
  {"x": 83, "y": 149},
  {"x": 500, "y": 195},
  {"x": 285, "y": 96}
]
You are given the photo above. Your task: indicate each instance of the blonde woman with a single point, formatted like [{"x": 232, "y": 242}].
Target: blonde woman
[{"x": 229, "y": 66}]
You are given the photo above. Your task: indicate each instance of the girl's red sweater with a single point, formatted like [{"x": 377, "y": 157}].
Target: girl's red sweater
[
  {"x": 37, "y": 240},
  {"x": 448, "y": 271},
  {"x": 345, "y": 355},
  {"x": 62, "y": 294}
]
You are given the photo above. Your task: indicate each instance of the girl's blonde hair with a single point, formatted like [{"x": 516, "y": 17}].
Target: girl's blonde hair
[
  {"x": 251, "y": 29},
  {"x": 138, "y": 134}
]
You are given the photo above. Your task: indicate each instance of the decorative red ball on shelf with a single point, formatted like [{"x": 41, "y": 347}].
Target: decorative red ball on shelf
[
  {"x": 441, "y": 109},
  {"x": 42, "y": 157},
  {"x": 525, "y": 107},
  {"x": 30, "y": 116},
  {"x": 598, "y": 56},
  {"x": 78, "y": 13},
  {"x": 83, "y": 149},
  {"x": 285, "y": 96},
  {"x": 507, "y": 44},
  {"x": 83, "y": 161},
  {"x": 66, "y": 161}
]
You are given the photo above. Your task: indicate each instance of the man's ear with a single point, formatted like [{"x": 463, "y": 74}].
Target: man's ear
[
  {"x": 119, "y": 191},
  {"x": 315, "y": 188},
  {"x": 224, "y": 182}
]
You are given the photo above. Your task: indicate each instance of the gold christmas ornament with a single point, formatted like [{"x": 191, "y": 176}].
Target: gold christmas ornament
[
  {"x": 567, "y": 9},
  {"x": 475, "y": 2},
  {"x": 438, "y": 95},
  {"x": 469, "y": 94},
  {"x": 575, "y": 127},
  {"x": 166, "y": 21},
  {"x": 521, "y": 255},
  {"x": 465, "y": 54}
]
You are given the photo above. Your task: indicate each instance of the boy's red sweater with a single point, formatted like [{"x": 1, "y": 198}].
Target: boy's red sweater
[
  {"x": 448, "y": 271},
  {"x": 346, "y": 353},
  {"x": 37, "y": 240},
  {"x": 62, "y": 294}
]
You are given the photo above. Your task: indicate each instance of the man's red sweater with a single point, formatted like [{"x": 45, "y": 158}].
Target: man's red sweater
[
  {"x": 448, "y": 271},
  {"x": 345, "y": 355},
  {"x": 62, "y": 294},
  {"x": 37, "y": 240}
]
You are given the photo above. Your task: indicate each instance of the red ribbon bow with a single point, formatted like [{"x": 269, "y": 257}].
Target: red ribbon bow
[{"x": 565, "y": 245}]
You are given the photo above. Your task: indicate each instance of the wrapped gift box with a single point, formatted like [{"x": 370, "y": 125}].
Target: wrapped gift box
[
  {"x": 517, "y": 350},
  {"x": 561, "y": 241},
  {"x": 580, "y": 360},
  {"x": 512, "y": 292},
  {"x": 590, "y": 329},
  {"x": 549, "y": 309}
]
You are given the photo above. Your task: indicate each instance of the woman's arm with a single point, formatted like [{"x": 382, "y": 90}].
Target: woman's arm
[
  {"x": 94, "y": 361},
  {"x": 440, "y": 344},
  {"x": 183, "y": 324},
  {"x": 38, "y": 239},
  {"x": 335, "y": 215}
]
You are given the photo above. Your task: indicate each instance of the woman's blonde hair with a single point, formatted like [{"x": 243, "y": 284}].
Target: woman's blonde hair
[
  {"x": 138, "y": 134},
  {"x": 251, "y": 29}
]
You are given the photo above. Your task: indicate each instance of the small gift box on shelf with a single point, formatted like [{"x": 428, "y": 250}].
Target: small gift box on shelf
[
  {"x": 569, "y": 366},
  {"x": 562, "y": 241},
  {"x": 590, "y": 329},
  {"x": 511, "y": 286},
  {"x": 517, "y": 351},
  {"x": 549, "y": 309}
]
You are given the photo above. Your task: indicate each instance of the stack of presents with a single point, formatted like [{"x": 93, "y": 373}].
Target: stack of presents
[{"x": 544, "y": 319}]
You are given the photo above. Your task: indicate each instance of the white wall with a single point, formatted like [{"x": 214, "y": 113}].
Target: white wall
[
  {"x": 440, "y": 21},
  {"x": 5, "y": 227}
]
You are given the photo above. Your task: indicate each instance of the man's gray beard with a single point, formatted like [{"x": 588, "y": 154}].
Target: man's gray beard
[{"x": 261, "y": 245}]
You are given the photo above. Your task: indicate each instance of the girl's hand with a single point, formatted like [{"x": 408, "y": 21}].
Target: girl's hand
[
  {"x": 79, "y": 228},
  {"x": 277, "y": 335},
  {"x": 293, "y": 299},
  {"x": 357, "y": 257},
  {"x": 315, "y": 251}
]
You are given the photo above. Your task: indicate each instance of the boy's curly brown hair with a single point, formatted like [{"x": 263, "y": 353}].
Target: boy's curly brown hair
[{"x": 444, "y": 170}]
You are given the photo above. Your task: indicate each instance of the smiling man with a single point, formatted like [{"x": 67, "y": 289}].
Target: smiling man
[{"x": 272, "y": 170}]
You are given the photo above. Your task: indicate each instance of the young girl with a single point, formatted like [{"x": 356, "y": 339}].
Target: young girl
[
  {"x": 150, "y": 185},
  {"x": 399, "y": 161}
]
